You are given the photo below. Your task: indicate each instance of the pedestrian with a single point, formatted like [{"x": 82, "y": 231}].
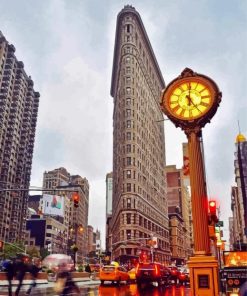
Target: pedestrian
[
  {"x": 9, "y": 267},
  {"x": 88, "y": 268},
  {"x": 34, "y": 268},
  {"x": 21, "y": 269},
  {"x": 65, "y": 285}
]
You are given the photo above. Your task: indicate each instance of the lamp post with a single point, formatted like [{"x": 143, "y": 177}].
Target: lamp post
[
  {"x": 78, "y": 228},
  {"x": 190, "y": 101}
]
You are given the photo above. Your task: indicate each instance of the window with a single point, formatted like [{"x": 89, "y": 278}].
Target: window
[
  {"x": 128, "y": 148},
  {"x": 128, "y": 70},
  {"x": 128, "y": 160},
  {"x": 127, "y": 60},
  {"x": 128, "y": 124},
  {"x": 128, "y": 203},
  {"x": 128, "y": 174},
  {"x": 128, "y": 101},
  {"x": 128, "y": 79},
  {"x": 128, "y": 218},
  {"x": 128, "y": 112},
  {"x": 128, "y": 28},
  {"x": 128, "y": 90},
  {"x": 128, "y": 187},
  {"x": 128, "y": 233},
  {"x": 128, "y": 136}
]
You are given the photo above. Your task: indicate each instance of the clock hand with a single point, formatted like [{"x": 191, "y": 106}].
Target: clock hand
[{"x": 191, "y": 102}]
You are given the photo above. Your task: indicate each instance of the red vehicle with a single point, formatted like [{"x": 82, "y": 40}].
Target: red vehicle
[
  {"x": 174, "y": 276},
  {"x": 184, "y": 276},
  {"x": 152, "y": 272}
]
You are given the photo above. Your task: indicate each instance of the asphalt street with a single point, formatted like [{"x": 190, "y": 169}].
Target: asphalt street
[{"x": 94, "y": 289}]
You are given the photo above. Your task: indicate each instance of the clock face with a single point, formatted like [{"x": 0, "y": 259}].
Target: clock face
[{"x": 189, "y": 100}]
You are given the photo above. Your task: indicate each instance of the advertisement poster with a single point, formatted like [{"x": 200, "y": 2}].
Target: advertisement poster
[{"x": 53, "y": 205}]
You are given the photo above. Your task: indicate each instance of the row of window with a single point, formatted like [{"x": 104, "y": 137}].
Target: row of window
[{"x": 139, "y": 234}]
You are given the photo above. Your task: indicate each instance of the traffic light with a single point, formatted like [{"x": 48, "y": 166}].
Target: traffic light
[
  {"x": 212, "y": 211},
  {"x": 143, "y": 256},
  {"x": 1, "y": 246},
  {"x": 76, "y": 199}
]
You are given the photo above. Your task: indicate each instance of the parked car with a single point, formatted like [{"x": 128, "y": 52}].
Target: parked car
[
  {"x": 114, "y": 274},
  {"x": 184, "y": 276},
  {"x": 152, "y": 272},
  {"x": 174, "y": 275}
]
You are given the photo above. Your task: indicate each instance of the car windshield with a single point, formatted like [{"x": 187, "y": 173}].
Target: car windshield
[{"x": 108, "y": 268}]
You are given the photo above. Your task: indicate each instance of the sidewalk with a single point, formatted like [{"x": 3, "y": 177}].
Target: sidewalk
[{"x": 86, "y": 280}]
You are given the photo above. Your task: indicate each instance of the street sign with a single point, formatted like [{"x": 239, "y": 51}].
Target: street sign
[
  {"x": 219, "y": 224},
  {"x": 155, "y": 242}
]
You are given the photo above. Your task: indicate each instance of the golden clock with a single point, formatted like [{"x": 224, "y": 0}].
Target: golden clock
[
  {"x": 190, "y": 97},
  {"x": 190, "y": 100}
]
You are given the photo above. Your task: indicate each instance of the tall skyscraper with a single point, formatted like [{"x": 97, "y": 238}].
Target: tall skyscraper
[
  {"x": 139, "y": 189},
  {"x": 239, "y": 194},
  {"x": 18, "y": 116}
]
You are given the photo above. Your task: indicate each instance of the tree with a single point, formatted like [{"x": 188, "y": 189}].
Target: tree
[
  {"x": 33, "y": 252},
  {"x": 43, "y": 253},
  {"x": 12, "y": 250}
]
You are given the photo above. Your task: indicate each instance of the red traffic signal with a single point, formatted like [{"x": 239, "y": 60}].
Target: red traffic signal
[
  {"x": 212, "y": 211},
  {"x": 212, "y": 207},
  {"x": 76, "y": 199}
]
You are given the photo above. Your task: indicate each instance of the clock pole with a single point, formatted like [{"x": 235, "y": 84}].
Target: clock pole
[
  {"x": 176, "y": 104},
  {"x": 199, "y": 200}
]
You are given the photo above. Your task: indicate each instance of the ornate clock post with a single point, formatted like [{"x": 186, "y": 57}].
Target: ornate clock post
[{"x": 190, "y": 101}]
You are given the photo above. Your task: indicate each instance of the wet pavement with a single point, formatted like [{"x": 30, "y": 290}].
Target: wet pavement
[{"x": 109, "y": 290}]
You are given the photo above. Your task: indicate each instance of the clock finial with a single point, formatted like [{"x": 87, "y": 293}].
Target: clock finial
[{"x": 187, "y": 72}]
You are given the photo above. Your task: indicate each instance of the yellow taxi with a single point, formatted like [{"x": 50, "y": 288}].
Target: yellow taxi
[
  {"x": 114, "y": 274},
  {"x": 132, "y": 274}
]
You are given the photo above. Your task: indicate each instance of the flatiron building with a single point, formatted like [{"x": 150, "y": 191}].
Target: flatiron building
[{"x": 139, "y": 208}]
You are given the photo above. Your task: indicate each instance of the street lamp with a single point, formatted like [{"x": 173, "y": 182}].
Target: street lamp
[{"x": 78, "y": 228}]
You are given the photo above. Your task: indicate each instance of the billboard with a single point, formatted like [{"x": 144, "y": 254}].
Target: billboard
[{"x": 53, "y": 205}]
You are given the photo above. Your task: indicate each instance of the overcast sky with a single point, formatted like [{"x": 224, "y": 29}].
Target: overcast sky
[{"x": 67, "y": 48}]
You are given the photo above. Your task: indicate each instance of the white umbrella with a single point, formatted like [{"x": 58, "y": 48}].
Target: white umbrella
[{"x": 58, "y": 262}]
